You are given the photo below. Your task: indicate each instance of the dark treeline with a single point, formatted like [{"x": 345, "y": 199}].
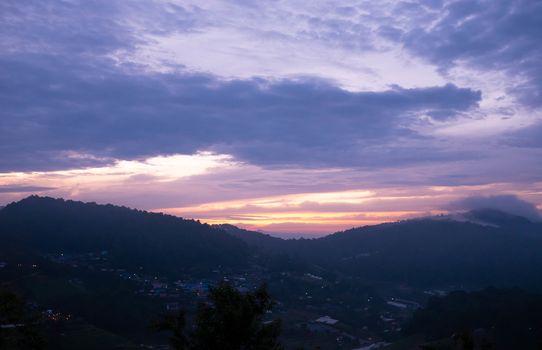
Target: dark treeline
[
  {"x": 229, "y": 320},
  {"x": 425, "y": 251},
  {"x": 20, "y": 327},
  {"x": 504, "y": 252},
  {"x": 491, "y": 319},
  {"x": 156, "y": 242}
]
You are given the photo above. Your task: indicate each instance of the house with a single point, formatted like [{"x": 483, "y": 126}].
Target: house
[
  {"x": 316, "y": 327},
  {"x": 408, "y": 303},
  {"x": 173, "y": 306},
  {"x": 310, "y": 275},
  {"x": 374, "y": 346},
  {"x": 326, "y": 320},
  {"x": 158, "y": 285},
  {"x": 396, "y": 304}
]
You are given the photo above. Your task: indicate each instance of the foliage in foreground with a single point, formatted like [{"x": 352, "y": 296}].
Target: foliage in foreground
[
  {"x": 230, "y": 320},
  {"x": 18, "y": 325},
  {"x": 491, "y": 318}
]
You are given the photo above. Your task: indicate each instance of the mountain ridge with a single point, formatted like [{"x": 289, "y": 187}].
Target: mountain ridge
[
  {"x": 158, "y": 241},
  {"x": 425, "y": 251}
]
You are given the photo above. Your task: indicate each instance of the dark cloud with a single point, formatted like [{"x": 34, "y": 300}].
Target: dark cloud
[
  {"x": 501, "y": 35},
  {"x": 62, "y": 27},
  {"x": 528, "y": 137},
  {"x": 68, "y": 103},
  {"x": 52, "y": 105},
  {"x": 82, "y": 29},
  {"x": 24, "y": 189},
  {"x": 507, "y": 203}
]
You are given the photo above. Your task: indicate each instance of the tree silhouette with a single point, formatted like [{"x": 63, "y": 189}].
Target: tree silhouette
[
  {"x": 174, "y": 323},
  {"x": 19, "y": 331},
  {"x": 230, "y": 320}
]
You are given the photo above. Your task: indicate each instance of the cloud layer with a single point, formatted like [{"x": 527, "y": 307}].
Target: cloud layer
[
  {"x": 186, "y": 104},
  {"x": 498, "y": 35},
  {"x": 73, "y": 97},
  {"x": 54, "y": 106}
]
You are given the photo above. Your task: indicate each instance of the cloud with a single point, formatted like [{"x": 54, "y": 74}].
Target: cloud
[
  {"x": 70, "y": 100},
  {"x": 62, "y": 27},
  {"x": 60, "y": 113},
  {"x": 528, "y": 137},
  {"x": 499, "y": 35},
  {"x": 507, "y": 203},
  {"x": 99, "y": 84},
  {"x": 88, "y": 28},
  {"x": 24, "y": 189}
]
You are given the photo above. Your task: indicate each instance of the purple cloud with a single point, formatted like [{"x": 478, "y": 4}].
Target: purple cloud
[
  {"x": 500, "y": 35},
  {"x": 54, "y": 105},
  {"x": 24, "y": 189}
]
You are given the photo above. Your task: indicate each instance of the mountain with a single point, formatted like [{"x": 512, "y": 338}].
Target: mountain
[
  {"x": 133, "y": 238},
  {"x": 488, "y": 217},
  {"x": 485, "y": 247},
  {"x": 255, "y": 239},
  {"x": 439, "y": 252},
  {"x": 347, "y": 275}
]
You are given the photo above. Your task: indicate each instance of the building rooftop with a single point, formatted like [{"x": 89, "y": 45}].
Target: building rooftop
[{"x": 327, "y": 320}]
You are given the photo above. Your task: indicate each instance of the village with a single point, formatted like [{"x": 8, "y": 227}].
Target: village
[{"x": 313, "y": 315}]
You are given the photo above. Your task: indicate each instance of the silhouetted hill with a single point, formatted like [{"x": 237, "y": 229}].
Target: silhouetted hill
[
  {"x": 132, "y": 237},
  {"x": 436, "y": 251},
  {"x": 499, "y": 249},
  {"x": 255, "y": 239},
  {"x": 485, "y": 247}
]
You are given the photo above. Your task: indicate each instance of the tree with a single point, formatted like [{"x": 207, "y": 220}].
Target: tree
[
  {"x": 19, "y": 329},
  {"x": 230, "y": 320},
  {"x": 174, "y": 323}
]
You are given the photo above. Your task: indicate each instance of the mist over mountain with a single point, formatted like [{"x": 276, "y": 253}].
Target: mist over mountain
[{"x": 509, "y": 204}]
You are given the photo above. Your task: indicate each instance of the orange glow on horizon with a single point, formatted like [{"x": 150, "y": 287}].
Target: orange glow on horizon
[
  {"x": 319, "y": 213},
  {"x": 316, "y": 223},
  {"x": 216, "y": 189}
]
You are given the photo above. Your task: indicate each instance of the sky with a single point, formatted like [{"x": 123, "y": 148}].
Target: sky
[{"x": 289, "y": 117}]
